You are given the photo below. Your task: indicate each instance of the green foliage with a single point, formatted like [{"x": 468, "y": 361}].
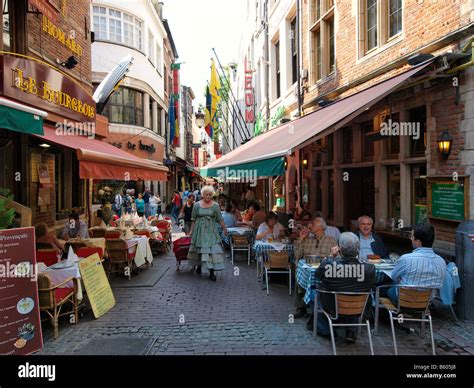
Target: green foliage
[{"x": 6, "y": 215}]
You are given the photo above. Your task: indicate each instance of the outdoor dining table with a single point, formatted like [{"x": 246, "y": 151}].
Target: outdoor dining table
[
  {"x": 263, "y": 248},
  {"x": 306, "y": 277},
  {"x": 98, "y": 242},
  {"x": 59, "y": 275},
  {"x": 143, "y": 253},
  {"x": 239, "y": 231}
]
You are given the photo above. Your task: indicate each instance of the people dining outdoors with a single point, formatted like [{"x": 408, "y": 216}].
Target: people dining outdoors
[
  {"x": 186, "y": 212},
  {"x": 228, "y": 217},
  {"x": 75, "y": 228},
  {"x": 235, "y": 211},
  {"x": 370, "y": 242},
  {"x": 358, "y": 277},
  {"x": 422, "y": 267},
  {"x": 46, "y": 239},
  {"x": 319, "y": 244},
  {"x": 258, "y": 215},
  {"x": 331, "y": 231},
  {"x": 206, "y": 248},
  {"x": 270, "y": 229},
  {"x": 140, "y": 204}
]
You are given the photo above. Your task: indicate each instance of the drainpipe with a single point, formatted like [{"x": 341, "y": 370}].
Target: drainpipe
[
  {"x": 299, "y": 24},
  {"x": 267, "y": 72}
]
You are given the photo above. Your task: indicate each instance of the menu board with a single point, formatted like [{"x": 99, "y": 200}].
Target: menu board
[
  {"x": 97, "y": 285},
  {"x": 447, "y": 201},
  {"x": 20, "y": 324}
]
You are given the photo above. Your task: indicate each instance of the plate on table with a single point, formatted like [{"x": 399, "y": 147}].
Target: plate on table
[{"x": 62, "y": 265}]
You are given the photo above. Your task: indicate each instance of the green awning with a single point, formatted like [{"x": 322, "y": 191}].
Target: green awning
[
  {"x": 239, "y": 172},
  {"x": 19, "y": 121}
]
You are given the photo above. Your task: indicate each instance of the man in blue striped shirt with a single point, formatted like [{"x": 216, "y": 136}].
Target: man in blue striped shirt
[{"x": 422, "y": 267}]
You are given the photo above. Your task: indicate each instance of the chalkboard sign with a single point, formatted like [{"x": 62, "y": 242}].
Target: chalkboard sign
[{"x": 447, "y": 201}]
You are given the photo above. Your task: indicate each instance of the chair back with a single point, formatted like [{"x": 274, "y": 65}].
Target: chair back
[
  {"x": 239, "y": 240},
  {"x": 414, "y": 299},
  {"x": 117, "y": 250},
  {"x": 351, "y": 304},
  {"x": 45, "y": 295},
  {"x": 48, "y": 257},
  {"x": 97, "y": 233},
  {"x": 142, "y": 233},
  {"x": 41, "y": 245},
  {"x": 112, "y": 234},
  {"x": 161, "y": 224},
  {"x": 75, "y": 246},
  {"x": 278, "y": 259},
  {"x": 88, "y": 251}
]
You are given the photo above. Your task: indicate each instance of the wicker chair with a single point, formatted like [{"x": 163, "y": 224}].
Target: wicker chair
[
  {"x": 165, "y": 229},
  {"x": 239, "y": 243},
  {"x": 278, "y": 262},
  {"x": 97, "y": 233},
  {"x": 119, "y": 253},
  {"x": 53, "y": 298},
  {"x": 112, "y": 234},
  {"x": 412, "y": 300},
  {"x": 88, "y": 251}
]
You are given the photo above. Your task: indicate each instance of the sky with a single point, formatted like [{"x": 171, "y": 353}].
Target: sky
[{"x": 198, "y": 26}]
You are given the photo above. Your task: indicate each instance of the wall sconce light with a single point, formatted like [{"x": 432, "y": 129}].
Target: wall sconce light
[
  {"x": 444, "y": 144},
  {"x": 285, "y": 163},
  {"x": 305, "y": 162},
  {"x": 69, "y": 63}
]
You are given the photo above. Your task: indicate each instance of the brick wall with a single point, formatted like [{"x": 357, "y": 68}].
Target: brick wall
[{"x": 45, "y": 47}]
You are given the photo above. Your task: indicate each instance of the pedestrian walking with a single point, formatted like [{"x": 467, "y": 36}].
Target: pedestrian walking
[
  {"x": 186, "y": 213},
  {"x": 176, "y": 205},
  {"x": 206, "y": 245}
]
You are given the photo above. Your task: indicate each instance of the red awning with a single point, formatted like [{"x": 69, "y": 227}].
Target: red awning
[{"x": 101, "y": 160}]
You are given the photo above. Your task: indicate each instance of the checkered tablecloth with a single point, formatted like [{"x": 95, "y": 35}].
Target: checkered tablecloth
[
  {"x": 250, "y": 233},
  {"x": 262, "y": 249},
  {"x": 306, "y": 278}
]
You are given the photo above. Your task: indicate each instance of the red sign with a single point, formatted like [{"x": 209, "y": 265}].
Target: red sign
[
  {"x": 20, "y": 325},
  {"x": 249, "y": 95},
  {"x": 196, "y": 157},
  {"x": 45, "y": 8}
]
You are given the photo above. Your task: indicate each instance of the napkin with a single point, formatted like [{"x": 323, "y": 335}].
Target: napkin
[
  {"x": 71, "y": 256},
  {"x": 128, "y": 234}
]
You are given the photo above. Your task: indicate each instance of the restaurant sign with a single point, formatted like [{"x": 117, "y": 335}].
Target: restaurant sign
[
  {"x": 249, "y": 95},
  {"x": 45, "y": 88},
  {"x": 447, "y": 201},
  {"x": 20, "y": 326}
]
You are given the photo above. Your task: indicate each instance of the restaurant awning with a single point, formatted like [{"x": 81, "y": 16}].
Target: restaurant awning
[
  {"x": 21, "y": 118},
  {"x": 262, "y": 168},
  {"x": 274, "y": 145},
  {"x": 101, "y": 160}
]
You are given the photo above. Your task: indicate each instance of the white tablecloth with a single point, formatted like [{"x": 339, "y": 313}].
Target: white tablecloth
[
  {"x": 239, "y": 230},
  {"x": 143, "y": 253},
  {"x": 58, "y": 276}
]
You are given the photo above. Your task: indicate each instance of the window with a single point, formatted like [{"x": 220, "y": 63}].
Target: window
[
  {"x": 125, "y": 107},
  {"x": 277, "y": 69},
  {"x": 294, "y": 51},
  {"x": 347, "y": 148},
  {"x": 417, "y": 118},
  {"x": 393, "y": 141},
  {"x": 67, "y": 176},
  {"x": 330, "y": 149},
  {"x": 159, "y": 65},
  {"x": 7, "y": 26},
  {"x": 14, "y": 26},
  {"x": 367, "y": 142},
  {"x": 322, "y": 32},
  {"x": 379, "y": 21},
  {"x": 420, "y": 196},
  {"x": 117, "y": 26},
  {"x": 160, "y": 126},
  {"x": 393, "y": 174},
  {"x": 151, "y": 48}
]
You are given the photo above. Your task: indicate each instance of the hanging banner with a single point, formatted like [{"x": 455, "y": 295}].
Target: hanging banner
[{"x": 20, "y": 325}]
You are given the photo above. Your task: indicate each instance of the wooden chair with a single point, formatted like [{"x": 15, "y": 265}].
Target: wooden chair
[
  {"x": 112, "y": 234},
  {"x": 97, "y": 233},
  {"x": 278, "y": 262},
  {"x": 75, "y": 246},
  {"x": 88, "y": 251},
  {"x": 47, "y": 256},
  {"x": 412, "y": 300},
  {"x": 164, "y": 227},
  {"x": 239, "y": 243},
  {"x": 119, "y": 253},
  {"x": 53, "y": 298},
  {"x": 347, "y": 304}
]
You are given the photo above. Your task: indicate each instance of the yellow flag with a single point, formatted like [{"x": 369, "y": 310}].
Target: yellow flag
[{"x": 214, "y": 87}]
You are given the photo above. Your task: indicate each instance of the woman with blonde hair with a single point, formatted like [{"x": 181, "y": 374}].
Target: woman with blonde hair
[{"x": 206, "y": 247}]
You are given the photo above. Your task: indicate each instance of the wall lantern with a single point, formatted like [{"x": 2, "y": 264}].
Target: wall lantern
[
  {"x": 305, "y": 162},
  {"x": 444, "y": 144},
  {"x": 285, "y": 164},
  {"x": 199, "y": 118}
]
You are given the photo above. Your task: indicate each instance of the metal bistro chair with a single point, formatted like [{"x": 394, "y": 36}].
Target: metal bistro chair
[
  {"x": 278, "y": 262},
  {"x": 239, "y": 243},
  {"x": 346, "y": 304},
  {"x": 53, "y": 298},
  {"x": 412, "y": 300}
]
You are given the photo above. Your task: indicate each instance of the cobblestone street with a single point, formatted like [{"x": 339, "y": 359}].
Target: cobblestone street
[{"x": 184, "y": 313}]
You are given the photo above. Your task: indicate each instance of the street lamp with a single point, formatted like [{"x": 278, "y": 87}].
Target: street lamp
[{"x": 199, "y": 118}]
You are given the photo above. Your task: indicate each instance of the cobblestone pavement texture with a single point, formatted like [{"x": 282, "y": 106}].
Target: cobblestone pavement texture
[{"x": 188, "y": 314}]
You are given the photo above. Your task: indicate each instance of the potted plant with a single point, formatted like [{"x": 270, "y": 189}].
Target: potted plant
[{"x": 6, "y": 215}]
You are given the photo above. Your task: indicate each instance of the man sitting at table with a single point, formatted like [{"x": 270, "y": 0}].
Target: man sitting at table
[
  {"x": 270, "y": 228},
  {"x": 319, "y": 244},
  {"x": 258, "y": 215},
  {"x": 422, "y": 267},
  {"x": 331, "y": 231},
  {"x": 228, "y": 218},
  {"x": 370, "y": 242},
  {"x": 75, "y": 228},
  {"x": 357, "y": 277}
]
